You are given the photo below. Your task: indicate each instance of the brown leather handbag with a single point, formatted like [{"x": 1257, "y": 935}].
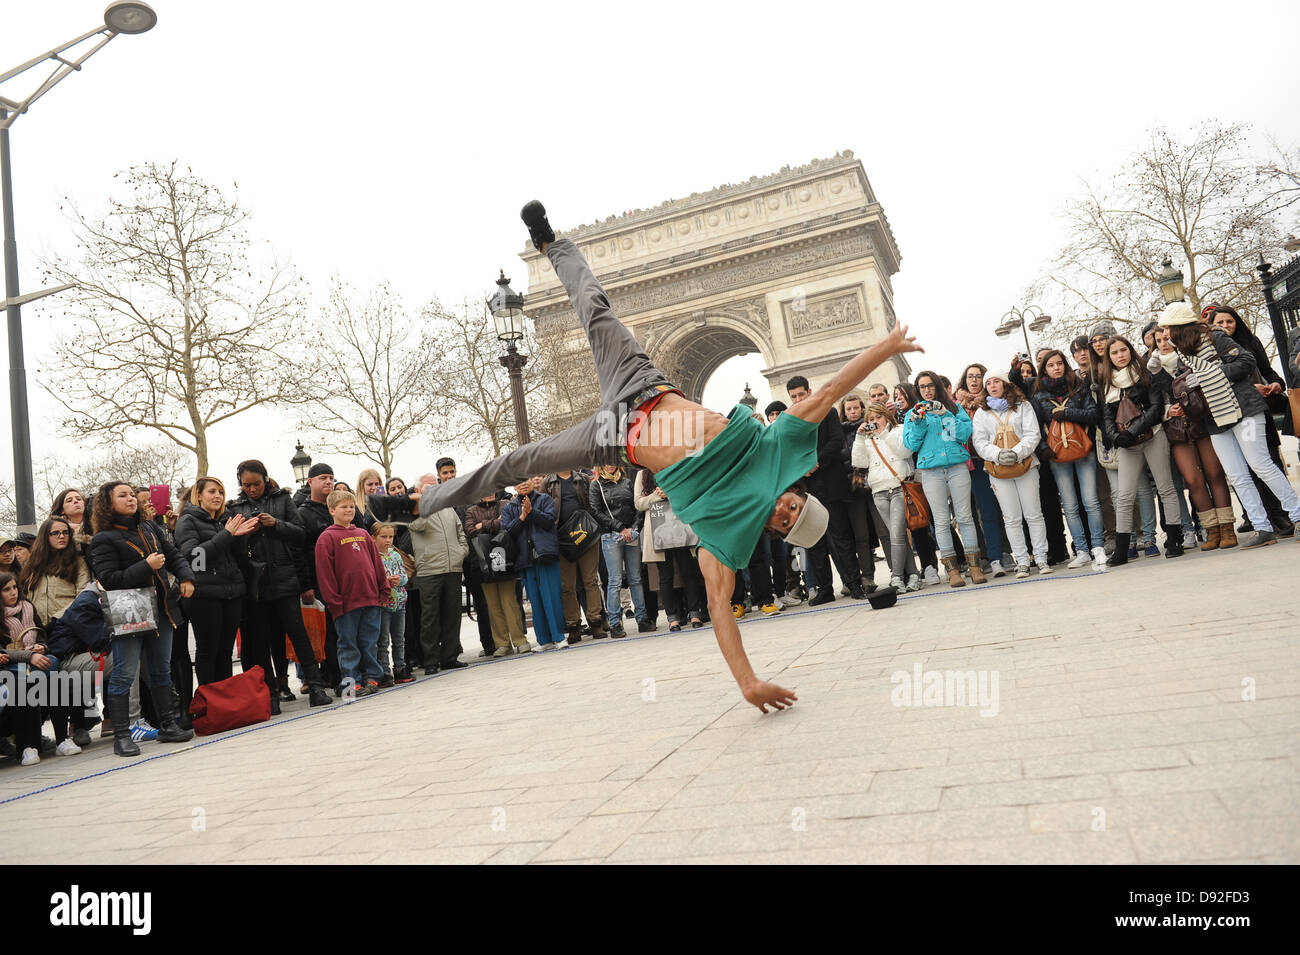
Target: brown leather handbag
[
  {"x": 915, "y": 505},
  {"x": 1126, "y": 414}
]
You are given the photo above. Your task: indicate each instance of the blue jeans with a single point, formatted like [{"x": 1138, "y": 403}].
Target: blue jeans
[
  {"x": 619, "y": 555},
  {"x": 990, "y": 514},
  {"x": 939, "y": 483},
  {"x": 545, "y": 593},
  {"x": 392, "y": 635},
  {"x": 358, "y": 632},
  {"x": 1086, "y": 471},
  {"x": 157, "y": 651}
]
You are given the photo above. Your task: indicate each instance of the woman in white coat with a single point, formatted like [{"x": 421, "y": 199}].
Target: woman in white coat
[{"x": 1005, "y": 435}]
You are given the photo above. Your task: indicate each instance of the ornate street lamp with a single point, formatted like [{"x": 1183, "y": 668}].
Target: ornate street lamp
[
  {"x": 507, "y": 308},
  {"x": 124, "y": 16},
  {"x": 1031, "y": 316},
  {"x": 748, "y": 399},
  {"x": 301, "y": 464},
  {"x": 1171, "y": 283}
]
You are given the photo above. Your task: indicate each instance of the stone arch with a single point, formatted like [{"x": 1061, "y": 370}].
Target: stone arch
[{"x": 690, "y": 351}]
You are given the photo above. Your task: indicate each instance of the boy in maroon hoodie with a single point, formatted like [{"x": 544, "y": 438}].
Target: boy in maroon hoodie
[{"x": 351, "y": 578}]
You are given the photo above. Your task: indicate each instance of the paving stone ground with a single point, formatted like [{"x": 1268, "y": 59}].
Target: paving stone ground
[{"x": 1147, "y": 715}]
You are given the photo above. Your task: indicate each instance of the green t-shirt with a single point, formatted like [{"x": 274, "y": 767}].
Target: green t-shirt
[{"x": 727, "y": 490}]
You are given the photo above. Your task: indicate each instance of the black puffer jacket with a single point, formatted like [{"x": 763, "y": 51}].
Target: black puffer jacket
[
  {"x": 215, "y": 555},
  {"x": 612, "y": 504},
  {"x": 1150, "y": 401},
  {"x": 119, "y": 561},
  {"x": 1080, "y": 406},
  {"x": 278, "y": 546},
  {"x": 315, "y": 518}
]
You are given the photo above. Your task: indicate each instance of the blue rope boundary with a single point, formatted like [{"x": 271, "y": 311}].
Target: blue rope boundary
[{"x": 514, "y": 658}]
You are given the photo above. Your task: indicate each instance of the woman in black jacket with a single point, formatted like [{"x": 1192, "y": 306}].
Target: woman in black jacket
[
  {"x": 130, "y": 554},
  {"x": 1062, "y": 396},
  {"x": 210, "y": 539},
  {"x": 274, "y": 608},
  {"x": 1141, "y": 439},
  {"x": 1235, "y": 421},
  {"x": 615, "y": 511},
  {"x": 861, "y": 508}
]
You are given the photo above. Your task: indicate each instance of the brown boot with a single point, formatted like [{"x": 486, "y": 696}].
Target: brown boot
[
  {"x": 973, "y": 567},
  {"x": 1227, "y": 531},
  {"x": 954, "y": 573}
]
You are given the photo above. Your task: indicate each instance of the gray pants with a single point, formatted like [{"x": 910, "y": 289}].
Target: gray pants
[
  {"x": 893, "y": 508},
  {"x": 623, "y": 371},
  {"x": 1156, "y": 455}
]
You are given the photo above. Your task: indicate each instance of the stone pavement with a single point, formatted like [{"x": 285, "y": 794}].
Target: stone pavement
[{"x": 1151, "y": 714}]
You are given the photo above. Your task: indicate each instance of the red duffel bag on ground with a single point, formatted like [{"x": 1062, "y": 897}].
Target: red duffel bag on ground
[{"x": 241, "y": 700}]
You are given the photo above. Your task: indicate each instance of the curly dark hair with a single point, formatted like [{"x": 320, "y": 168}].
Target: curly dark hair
[{"x": 102, "y": 515}]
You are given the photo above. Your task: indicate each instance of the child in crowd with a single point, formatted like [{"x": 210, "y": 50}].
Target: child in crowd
[
  {"x": 354, "y": 586},
  {"x": 392, "y": 614}
]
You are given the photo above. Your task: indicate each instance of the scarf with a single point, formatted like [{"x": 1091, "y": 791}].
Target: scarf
[
  {"x": 20, "y": 622},
  {"x": 1225, "y": 409},
  {"x": 1169, "y": 362},
  {"x": 997, "y": 404},
  {"x": 1124, "y": 378},
  {"x": 1053, "y": 386}
]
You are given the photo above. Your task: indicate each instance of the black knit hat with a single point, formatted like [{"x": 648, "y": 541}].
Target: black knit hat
[{"x": 318, "y": 469}]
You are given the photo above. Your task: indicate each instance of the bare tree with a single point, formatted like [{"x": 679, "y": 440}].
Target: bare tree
[
  {"x": 1200, "y": 202},
  {"x": 156, "y": 463},
  {"x": 1281, "y": 173},
  {"x": 177, "y": 328},
  {"x": 8, "y": 507},
  {"x": 372, "y": 393}
]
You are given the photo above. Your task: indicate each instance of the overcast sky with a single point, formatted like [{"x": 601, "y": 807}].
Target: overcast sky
[{"x": 397, "y": 141}]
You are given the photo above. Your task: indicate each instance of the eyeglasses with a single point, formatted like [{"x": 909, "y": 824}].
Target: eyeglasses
[
  {"x": 1097, "y": 338},
  {"x": 60, "y": 533}
]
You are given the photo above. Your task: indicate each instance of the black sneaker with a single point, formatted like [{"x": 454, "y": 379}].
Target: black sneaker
[
  {"x": 824, "y": 596},
  {"x": 385, "y": 681},
  {"x": 539, "y": 230},
  {"x": 454, "y": 665},
  {"x": 647, "y": 626},
  {"x": 430, "y": 671},
  {"x": 617, "y": 632}
]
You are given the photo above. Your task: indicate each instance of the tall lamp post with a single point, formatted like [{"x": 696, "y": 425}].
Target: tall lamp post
[
  {"x": 301, "y": 464},
  {"x": 1030, "y": 317},
  {"x": 507, "y": 307},
  {"x": 124, "y": 16}
]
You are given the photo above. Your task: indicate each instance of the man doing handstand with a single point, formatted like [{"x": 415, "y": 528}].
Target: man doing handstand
[{"x": 728, "y": 477}]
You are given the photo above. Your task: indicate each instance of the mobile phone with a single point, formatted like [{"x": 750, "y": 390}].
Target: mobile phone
[{"x": 160, "y": 496}]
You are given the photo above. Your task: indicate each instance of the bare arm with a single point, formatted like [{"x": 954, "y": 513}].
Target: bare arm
[
  {"x": 719, "y": 581},
  {"x": 820, "y": 402}
]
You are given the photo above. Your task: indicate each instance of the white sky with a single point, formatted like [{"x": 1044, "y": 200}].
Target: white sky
[{"x": 397, "y": 141}]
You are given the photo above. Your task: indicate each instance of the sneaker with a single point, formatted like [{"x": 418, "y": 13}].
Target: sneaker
[
  {"x": 738, "y": 610},
  {"x": 647, "y": 626},
  {"x": 770, "y": 610},
  {"x": 371, "y": 687},
  {"x": 995, "y": 569},
  {"x": 629, "y": 614},
  {"x": 1259, "y": 539},
  {"x": 404, "y": 675},
  {"x": 1081, "y": 559},
  {"x": 1099, "y": 559},
  {"x": 1151, "y": 550},
  {"x": 541, "y": 648},
  {"x": 483, "y": 654},
  {"x": 499, "y": 652},
  {"x": 1190, "y": 539},
  {"x": 142, "y": 732},
  {"x": 1022, "y": 571},
  {"x": 1132, "y": 552},
  {"x": 897, "y": 583},
  {"x": 30, "y": 756},
  {"x": 560, "y": 645},
  {"x": 539, "y": 230},
  {"x": 1044, "y": 568},
  {"x": 931, "y": 576},
  {"x": 386, "y": 681},
  {"x": 67, "y": 748},
  {"x": 913, "y": 583},
  {"x": 788, "y": 600},
  {"x": 844, "y": 591},
  {"x": 81, "y": 737}
]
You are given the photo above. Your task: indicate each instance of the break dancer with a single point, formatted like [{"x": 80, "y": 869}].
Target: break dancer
[{"x": 729, "y": 477}]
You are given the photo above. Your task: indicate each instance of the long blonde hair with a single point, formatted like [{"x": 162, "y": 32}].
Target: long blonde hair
[{"x": 360, "y": 489}]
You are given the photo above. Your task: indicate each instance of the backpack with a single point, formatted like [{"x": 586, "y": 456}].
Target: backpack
[
  {"x": 1066, "y": 440},
  {"x": 1007, "y": 439}
]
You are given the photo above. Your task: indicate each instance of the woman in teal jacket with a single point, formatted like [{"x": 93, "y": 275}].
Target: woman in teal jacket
[{"x": 937, "y": 429}]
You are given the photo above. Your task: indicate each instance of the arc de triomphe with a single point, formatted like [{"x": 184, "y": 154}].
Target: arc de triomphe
[{"x": 795, "y": 266}]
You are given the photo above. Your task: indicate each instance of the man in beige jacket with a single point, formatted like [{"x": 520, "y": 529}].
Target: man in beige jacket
[{"x": 440, "y": 549}]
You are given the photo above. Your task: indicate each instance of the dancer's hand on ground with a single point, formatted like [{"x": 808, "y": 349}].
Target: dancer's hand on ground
[
  {"x": 763, "y": 694},
  {"x": 900, "y": 342}
]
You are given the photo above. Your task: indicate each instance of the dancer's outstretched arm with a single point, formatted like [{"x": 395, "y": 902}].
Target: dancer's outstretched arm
[
  {"x": 719, "y": 581},
  {"x": 817, "y": 405}
]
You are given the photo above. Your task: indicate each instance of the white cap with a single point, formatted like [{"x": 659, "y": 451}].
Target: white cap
[{"x": 810, "y": 525}]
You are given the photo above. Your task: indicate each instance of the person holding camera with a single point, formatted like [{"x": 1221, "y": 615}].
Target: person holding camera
[
  {"x": 1005, "y": 435},
  {"x": 937, "y": 429},
  {"x": 614, "y": 507},
  {"x": 529, "y": 517},
  {"x": 878, "y": 447},
  {"x": 508, "y": 635}
]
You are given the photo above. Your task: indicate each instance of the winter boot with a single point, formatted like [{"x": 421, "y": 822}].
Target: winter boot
[
  {"x": 954, "y": 574},
  {"x": 169, "y": 731},
  {"x": 1173, "y": 540},
  {"x": 1227, "y": 533},
  {"x": 1120, "y": 557},
  {"x": 1210, "y": 521},
  {"x": 311, "y": 675},
  {"x": 119, "y": 711},
  {"x": 976, "y": 570}
]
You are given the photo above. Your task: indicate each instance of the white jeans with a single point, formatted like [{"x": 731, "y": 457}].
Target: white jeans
[
  {"x": 1018, "y": 498},
  {"x": 1245, "y": 449}
]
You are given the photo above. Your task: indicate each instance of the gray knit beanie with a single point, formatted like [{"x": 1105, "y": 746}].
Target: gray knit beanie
[{"x": 1106, "y": 328}]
